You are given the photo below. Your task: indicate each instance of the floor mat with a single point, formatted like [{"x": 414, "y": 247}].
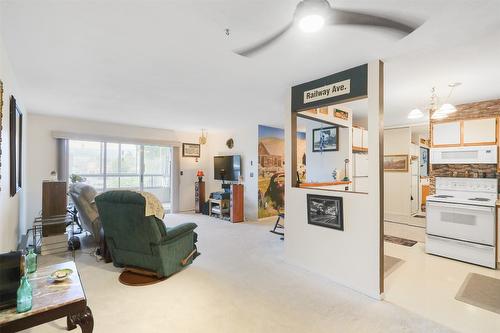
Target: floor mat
[
  {"x": 400, "y": 241},
  {"x": 481, "y": 291},
  {"x": 390, "y": 264}
]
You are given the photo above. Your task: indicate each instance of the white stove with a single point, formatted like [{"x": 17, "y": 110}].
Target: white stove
[
  {"x": 467, "y": 191},
  {"x": 461, "y": 219}
]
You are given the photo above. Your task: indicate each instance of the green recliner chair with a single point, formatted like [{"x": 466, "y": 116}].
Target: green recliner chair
[{"x": 140, "y": 241}]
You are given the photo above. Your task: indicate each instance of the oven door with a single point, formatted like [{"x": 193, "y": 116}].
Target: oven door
[{"x": 464, "y": 222}]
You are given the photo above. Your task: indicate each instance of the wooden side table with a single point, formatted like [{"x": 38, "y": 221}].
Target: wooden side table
[{"x": 51, "y": 301}]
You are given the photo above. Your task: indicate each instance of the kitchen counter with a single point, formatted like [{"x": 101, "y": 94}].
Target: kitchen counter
[{"x": 323, "y": 184}]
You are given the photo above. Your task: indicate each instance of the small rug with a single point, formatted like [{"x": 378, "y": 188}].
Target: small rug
[
  {"x": 390, "y": 264},
  {"x": 481, "y": 291},
  {"x": 400, "y": 241},
  {"x": 134, "y": 279}
]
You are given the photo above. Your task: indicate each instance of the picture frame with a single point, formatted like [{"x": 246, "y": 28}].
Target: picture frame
[
  {"x": 325, "y": 139},
  {"x": 325, "y": 211},
  {"x": 396, "y": 163},
  {"x": 191, "y": 150},
  {"x": 16, "y": 144}
]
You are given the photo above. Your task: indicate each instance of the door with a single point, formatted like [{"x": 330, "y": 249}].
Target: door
[
  {"x": 464, "y": 222},
  {"x": 156, "y": 175},
  {"x": 480, "y": 131},
  {"x": 446, "y": 134}
]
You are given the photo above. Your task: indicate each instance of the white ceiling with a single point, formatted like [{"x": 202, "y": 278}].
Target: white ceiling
[{"x": 169, "y": 64}]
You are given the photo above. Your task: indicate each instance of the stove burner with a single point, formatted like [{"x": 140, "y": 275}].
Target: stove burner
[
  {"x": 443, "y": 196},
  {"x": 479, "y": 199}
]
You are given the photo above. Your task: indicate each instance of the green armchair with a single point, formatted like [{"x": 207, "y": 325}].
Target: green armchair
[{"x": 140, "y": 241}]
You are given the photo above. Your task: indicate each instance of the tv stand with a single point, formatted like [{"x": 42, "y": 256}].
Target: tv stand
[{"x": 232, "y": 209}]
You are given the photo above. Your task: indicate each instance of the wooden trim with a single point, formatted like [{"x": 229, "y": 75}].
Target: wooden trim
[
  {"x": 325, "y": 184},
  {"x": 492, "y": 143},
  {"x": 447, "y": 146},
  {"x": 359, "y": 149},
  {"x": 498, "y": 146},
  {"x": 293, "y": 155}
]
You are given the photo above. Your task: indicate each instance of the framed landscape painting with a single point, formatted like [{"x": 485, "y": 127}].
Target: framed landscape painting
[
  {"x": 191, "y": 150},
  {"x": 396, "y": 163}
]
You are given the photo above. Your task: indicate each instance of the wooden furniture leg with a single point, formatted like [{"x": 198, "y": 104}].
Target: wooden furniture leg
[{"x": 85, "y": 320}]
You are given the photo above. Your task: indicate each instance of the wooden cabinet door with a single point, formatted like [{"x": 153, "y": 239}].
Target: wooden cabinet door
[
  {"x": 446, "y": 134},
  {"x": 480, "y": 131},
  {"x": 365, "y": 138},
  {"x": 357, "y": 137}
]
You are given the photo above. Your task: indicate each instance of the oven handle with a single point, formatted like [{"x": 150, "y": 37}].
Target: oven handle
[{"x": 453, "y": 205}]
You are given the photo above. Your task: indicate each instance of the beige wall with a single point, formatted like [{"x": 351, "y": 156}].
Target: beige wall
[
  {"x": 397, "y": 185},
  {"x": 9, "y": 206}
]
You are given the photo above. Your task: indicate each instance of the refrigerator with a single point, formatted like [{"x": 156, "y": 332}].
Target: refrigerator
[{"x": 360, "y": 172}]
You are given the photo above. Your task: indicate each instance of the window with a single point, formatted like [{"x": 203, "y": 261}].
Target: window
[{"x": 109, "y": 165}]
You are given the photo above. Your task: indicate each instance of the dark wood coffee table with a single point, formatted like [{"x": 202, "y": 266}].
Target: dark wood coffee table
[{"x": 51, "y": 301}]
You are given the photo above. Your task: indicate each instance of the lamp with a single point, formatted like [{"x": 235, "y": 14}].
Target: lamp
[
  {"x": 415, "y": 114},
  {"x": 200, "y": 175}
]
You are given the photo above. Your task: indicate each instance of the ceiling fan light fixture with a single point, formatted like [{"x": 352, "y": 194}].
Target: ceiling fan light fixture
[
  {"x": 415, "y": 114},
  {"x": 312, "y": 23}
]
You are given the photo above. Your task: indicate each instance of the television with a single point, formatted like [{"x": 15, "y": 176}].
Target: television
[{"x": 227, "y": 167}]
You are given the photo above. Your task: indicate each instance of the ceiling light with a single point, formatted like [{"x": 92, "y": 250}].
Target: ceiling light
[
  {"x": 415, "y": 114},
  {"x": 312, "y": 23},
  {"x": 447, "y": 108},
  {"x": 438, "y": 115}
]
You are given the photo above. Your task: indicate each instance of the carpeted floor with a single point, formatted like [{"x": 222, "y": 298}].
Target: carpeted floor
[{"x": 240, "y": 283}]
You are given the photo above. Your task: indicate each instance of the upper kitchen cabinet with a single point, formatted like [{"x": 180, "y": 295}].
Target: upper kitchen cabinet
[
  {"x": 480, "y": 131},
  {"x": 446, "y": 134},
  {"x": 359, "y": 139},
  {"x": 471, "y": 132}
]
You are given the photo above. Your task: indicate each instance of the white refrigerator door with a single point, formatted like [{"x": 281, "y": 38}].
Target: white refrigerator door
[{"x": 360, "y": 165}]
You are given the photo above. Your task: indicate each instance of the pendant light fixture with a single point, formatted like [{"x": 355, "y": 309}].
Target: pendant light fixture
[
  {"x": 435, "y": 111},
  {"x": 415, "y": 114}
]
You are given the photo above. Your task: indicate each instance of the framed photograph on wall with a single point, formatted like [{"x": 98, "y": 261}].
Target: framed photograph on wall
[
  {"x": 396, "y": 163},
  {"x": 325, "y": 211},
  {"x": 191, "y": 150},
  {"x": 16, "y": 143},
  {"x": 325, "y": 139}
]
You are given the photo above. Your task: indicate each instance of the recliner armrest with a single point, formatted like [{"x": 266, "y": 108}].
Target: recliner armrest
[{"x": 179, "y": 230}]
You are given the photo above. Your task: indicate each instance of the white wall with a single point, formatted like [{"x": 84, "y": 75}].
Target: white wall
[
  {"x": 42, "y": 154},
  {"x": 10, "y": 207},
  {"x": 397, "y": 185},
  {"x": 246, "y": 145}
]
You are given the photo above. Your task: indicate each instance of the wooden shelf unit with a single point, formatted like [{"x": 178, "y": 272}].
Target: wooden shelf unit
[{"x": 236, "y": 204}]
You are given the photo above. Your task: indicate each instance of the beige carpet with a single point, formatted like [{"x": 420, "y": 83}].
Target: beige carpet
[
  {"x": 391, "y": 264},
  {"x": 482, "y": 291},
  {"x": 240, "y": 284}
]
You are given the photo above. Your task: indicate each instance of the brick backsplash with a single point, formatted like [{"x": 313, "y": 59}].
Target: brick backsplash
[{"x": 484, "y": 109}]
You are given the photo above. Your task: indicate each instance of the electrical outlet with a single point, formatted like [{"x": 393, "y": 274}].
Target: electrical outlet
[
  {"x": 182, "y": 173},
  {"x": 251, "y": 174}
]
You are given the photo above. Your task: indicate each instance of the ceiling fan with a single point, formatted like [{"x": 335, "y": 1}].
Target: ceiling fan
[{"x": 312, "y": 15}]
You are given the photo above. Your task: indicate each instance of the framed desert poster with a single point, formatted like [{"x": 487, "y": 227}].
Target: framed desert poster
[
  {"x": 325, "y": 139},
  {"x": 396, "y": 163},
  {"x": 325, "y": 211},
  {"x": 16, "y": 143},
  {"x": 191, "y": 150}
]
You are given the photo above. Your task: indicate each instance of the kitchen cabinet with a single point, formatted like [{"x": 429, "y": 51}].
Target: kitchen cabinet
[
  {"x": 365, "y": 139},
  {"x": 446, "y": 134},
  {"x": 480, "y": 131},
  {"x": 359, "y": 139}
]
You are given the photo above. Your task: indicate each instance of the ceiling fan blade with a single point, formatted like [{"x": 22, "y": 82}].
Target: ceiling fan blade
[
  {"x": 249, "y": 51},
  {"x": 341, "y": 17}
]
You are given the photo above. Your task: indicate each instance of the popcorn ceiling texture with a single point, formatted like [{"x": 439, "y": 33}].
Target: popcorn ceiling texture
[{"x": 477, "y": 110}]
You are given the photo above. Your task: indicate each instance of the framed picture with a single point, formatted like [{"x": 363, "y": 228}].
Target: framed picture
[
  {"x": 325, "y": 211},
  {"x": 16, "y": 144},
  {"x": 326, "y": 139},
  {"x": 341, "y": 114},
  {"x": 396, "y": 163},
  {"x": 191, "y": 150}
]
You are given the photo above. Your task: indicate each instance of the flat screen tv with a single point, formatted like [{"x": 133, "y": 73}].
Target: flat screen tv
[{"x": 227, "y": 167}]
